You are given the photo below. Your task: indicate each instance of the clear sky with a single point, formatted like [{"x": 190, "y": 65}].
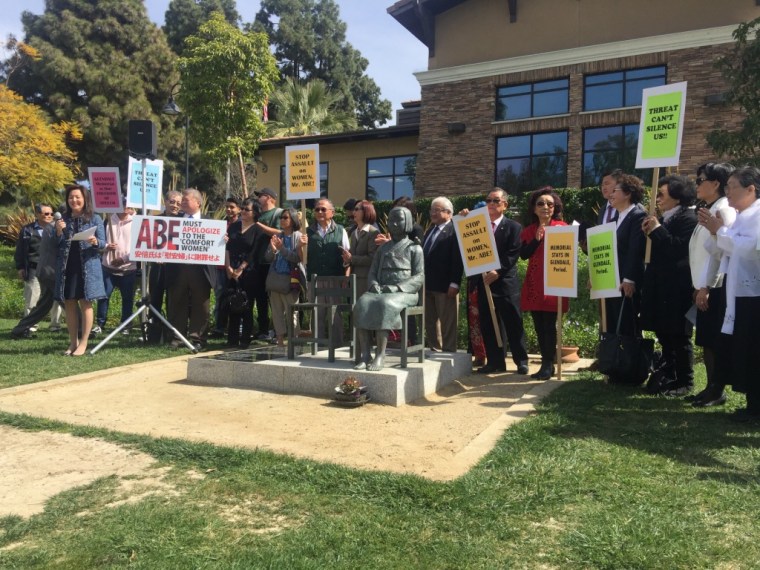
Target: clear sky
[{"x": 393, "y": 53}]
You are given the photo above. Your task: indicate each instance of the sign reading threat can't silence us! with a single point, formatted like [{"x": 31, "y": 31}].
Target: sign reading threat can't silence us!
[{"x": 178, "y": 240}]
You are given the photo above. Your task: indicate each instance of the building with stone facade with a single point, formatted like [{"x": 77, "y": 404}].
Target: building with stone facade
[{"x": 522, "y": 93}]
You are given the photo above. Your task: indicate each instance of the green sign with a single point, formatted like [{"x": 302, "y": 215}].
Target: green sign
[
  {"x": 602, "y": 261},
  {"x": 661, "y": 126}
]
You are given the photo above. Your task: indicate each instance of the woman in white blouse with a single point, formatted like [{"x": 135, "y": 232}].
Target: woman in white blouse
[
  {"x": 707, "y": 280},
  {"x": 741, "y": 261}
]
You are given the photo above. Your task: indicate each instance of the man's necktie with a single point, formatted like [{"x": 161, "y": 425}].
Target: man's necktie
[{"x": 431, "y": 238}]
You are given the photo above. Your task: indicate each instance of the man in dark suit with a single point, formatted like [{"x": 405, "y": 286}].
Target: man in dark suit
[
  {"x": 443, "y": 274},
  {"x": 189, "y": 286},
  {"x": 505, "y": 288},
  {"x": 607, "y": 184}
]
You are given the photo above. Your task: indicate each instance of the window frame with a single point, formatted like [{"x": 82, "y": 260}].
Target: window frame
[
  {"x": 530, "y": 184},
  {"x": 393, "y": 175},
  {"x": 623, "y": 82},
  {"x": 627, "y": 166},
  {"x": 531, "y": 93}
]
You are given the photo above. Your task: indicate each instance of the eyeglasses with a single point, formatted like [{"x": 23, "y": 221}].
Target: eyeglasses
[
  {"x": 437, "y": 210},
  {"x": 246, "y": 210},
  {"x": 320, "y": 210},
  {"x": 700, "y": 179},
  {"x": 492, "y": 200},
  {"x": 284, "y": 217},
  {"x": 541, "y": 204},
  {"x": 47, "y": 213}
]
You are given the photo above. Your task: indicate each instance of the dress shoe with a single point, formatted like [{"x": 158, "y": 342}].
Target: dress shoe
[
  {"x": 545, "y": 372},
  {"x": 677, "y": 392},
  {"x": 710, "y": 401},
  {"x": 22, "y": 335},
  {"x": 522, "y": 368},
  {"x": 488, "y": 369},
  {"x": 477, "y": 362},
  {"x": 216, "y": 333}
]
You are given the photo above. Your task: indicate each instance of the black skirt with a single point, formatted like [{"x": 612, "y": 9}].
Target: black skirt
[
  {"x": 709, "y": 322},
  {"x": 743, "y": 343},
  {"x": 73, "y": 286}
]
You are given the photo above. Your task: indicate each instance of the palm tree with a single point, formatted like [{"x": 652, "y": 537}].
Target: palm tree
[{"x": 307, "y": 109}]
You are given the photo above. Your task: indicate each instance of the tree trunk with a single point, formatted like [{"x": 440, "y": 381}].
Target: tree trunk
[{"x": 242, "y": 174}]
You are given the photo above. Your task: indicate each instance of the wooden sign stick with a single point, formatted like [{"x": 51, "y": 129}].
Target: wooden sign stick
[
  {"x": 492, "y": 308},
  {"x": 652, "y": 206},
  {"x": 559, "y": 338}
]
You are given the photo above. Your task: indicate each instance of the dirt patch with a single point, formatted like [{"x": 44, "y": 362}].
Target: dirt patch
[
  {"x": 439, "y": 437},
  {"x": 39, "y": 465}
]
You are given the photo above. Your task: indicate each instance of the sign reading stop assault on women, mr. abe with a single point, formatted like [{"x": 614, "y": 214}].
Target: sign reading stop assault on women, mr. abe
[
  {"x": 178, "y": 240},
  {"x": 476, "y": 243},
  {"x": 302, "y": 172}
]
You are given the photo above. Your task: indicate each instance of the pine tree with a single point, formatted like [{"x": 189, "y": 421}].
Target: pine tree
[
  {"x": 184, "y": 18},
  {"x": 309, "y": 41},
  {"x": 102, "y": 63}
]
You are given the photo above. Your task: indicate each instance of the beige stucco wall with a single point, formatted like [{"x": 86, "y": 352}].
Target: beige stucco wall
[
  {"x": 479, "y": 30},
  {"x": 347, "y": 164}
]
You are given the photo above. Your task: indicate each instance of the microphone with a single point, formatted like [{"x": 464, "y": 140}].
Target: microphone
[{"x": 57, "y": 216}]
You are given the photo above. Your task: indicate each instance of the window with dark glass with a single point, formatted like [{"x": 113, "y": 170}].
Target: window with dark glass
[
  {"x": 532, "y": 100},
  {"x": 391, "y": 177},
  {"x": 607, "y": 148},
  {"x": 527, "y": 162},
  {"x": 620, "y": 88},
  {"x": 323, "y": 171}
]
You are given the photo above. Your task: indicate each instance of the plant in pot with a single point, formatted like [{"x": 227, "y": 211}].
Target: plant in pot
[{"x": 351, "y": 391}]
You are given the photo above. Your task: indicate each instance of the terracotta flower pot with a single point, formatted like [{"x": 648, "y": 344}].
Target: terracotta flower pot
[{"x": 570, "y": 354}]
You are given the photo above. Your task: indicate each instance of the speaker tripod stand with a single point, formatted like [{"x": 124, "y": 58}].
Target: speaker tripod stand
[{"x": 144, "y": 307}]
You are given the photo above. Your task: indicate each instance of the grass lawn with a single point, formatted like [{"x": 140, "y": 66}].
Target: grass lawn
[
  {"x": 26, "y": 361},
  {"x": 601, "y": 477}
]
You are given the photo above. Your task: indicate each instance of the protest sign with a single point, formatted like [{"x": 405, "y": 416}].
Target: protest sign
[
  {"x": 105, "y": 189},
  {"x": 476, "y": 244},
  {"x": 661, "y": 125},
  {"x": 561, "y": 261},
  {"x": 302, "y": 172},
  {"x": 602, "y": 261},
  {"x": 178, "y": 240},
  {"x": 154, "y": 173}
]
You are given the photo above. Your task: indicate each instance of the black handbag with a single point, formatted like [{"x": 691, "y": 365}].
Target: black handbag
[
  {"x": 236, "y": 300},
  {"x": 625, "y": 359}
]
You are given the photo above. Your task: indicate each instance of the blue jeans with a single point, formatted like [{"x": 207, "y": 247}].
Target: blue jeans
[{"x": 126, "y": 285}]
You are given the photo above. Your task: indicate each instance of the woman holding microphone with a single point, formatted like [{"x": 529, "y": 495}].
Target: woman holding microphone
[{"x": 79, "y": 277}]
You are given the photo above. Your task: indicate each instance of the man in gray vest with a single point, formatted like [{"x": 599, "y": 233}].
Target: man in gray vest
[{"x": 327, "y": 241}]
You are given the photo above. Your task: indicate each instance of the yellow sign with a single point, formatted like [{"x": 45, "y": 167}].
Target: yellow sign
[
  {"x": 302, "y": 172},
  {"x": 560, "y": 261},
  {"x": 476, "y": 243}
]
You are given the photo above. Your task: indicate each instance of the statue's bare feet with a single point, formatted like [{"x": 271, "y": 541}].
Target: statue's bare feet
[
  {"x": 376, "y": 364},
  {"x": 361, "y": 366}
]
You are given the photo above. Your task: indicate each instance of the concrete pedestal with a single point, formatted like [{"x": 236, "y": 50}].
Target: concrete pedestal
[{"x": 268, "y": 369}]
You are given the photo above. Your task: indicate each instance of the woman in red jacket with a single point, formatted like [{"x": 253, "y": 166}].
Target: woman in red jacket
[{"x": 544, "y": 209}]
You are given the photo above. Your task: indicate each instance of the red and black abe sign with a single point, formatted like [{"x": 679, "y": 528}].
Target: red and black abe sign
[{"x": 178, "y": 240}]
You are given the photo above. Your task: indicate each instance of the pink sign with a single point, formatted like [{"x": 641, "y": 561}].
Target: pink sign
[{"x": 105, "y": 189}]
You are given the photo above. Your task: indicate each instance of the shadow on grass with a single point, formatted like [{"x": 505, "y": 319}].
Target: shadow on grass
[{"x": 671, "y": 428}]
